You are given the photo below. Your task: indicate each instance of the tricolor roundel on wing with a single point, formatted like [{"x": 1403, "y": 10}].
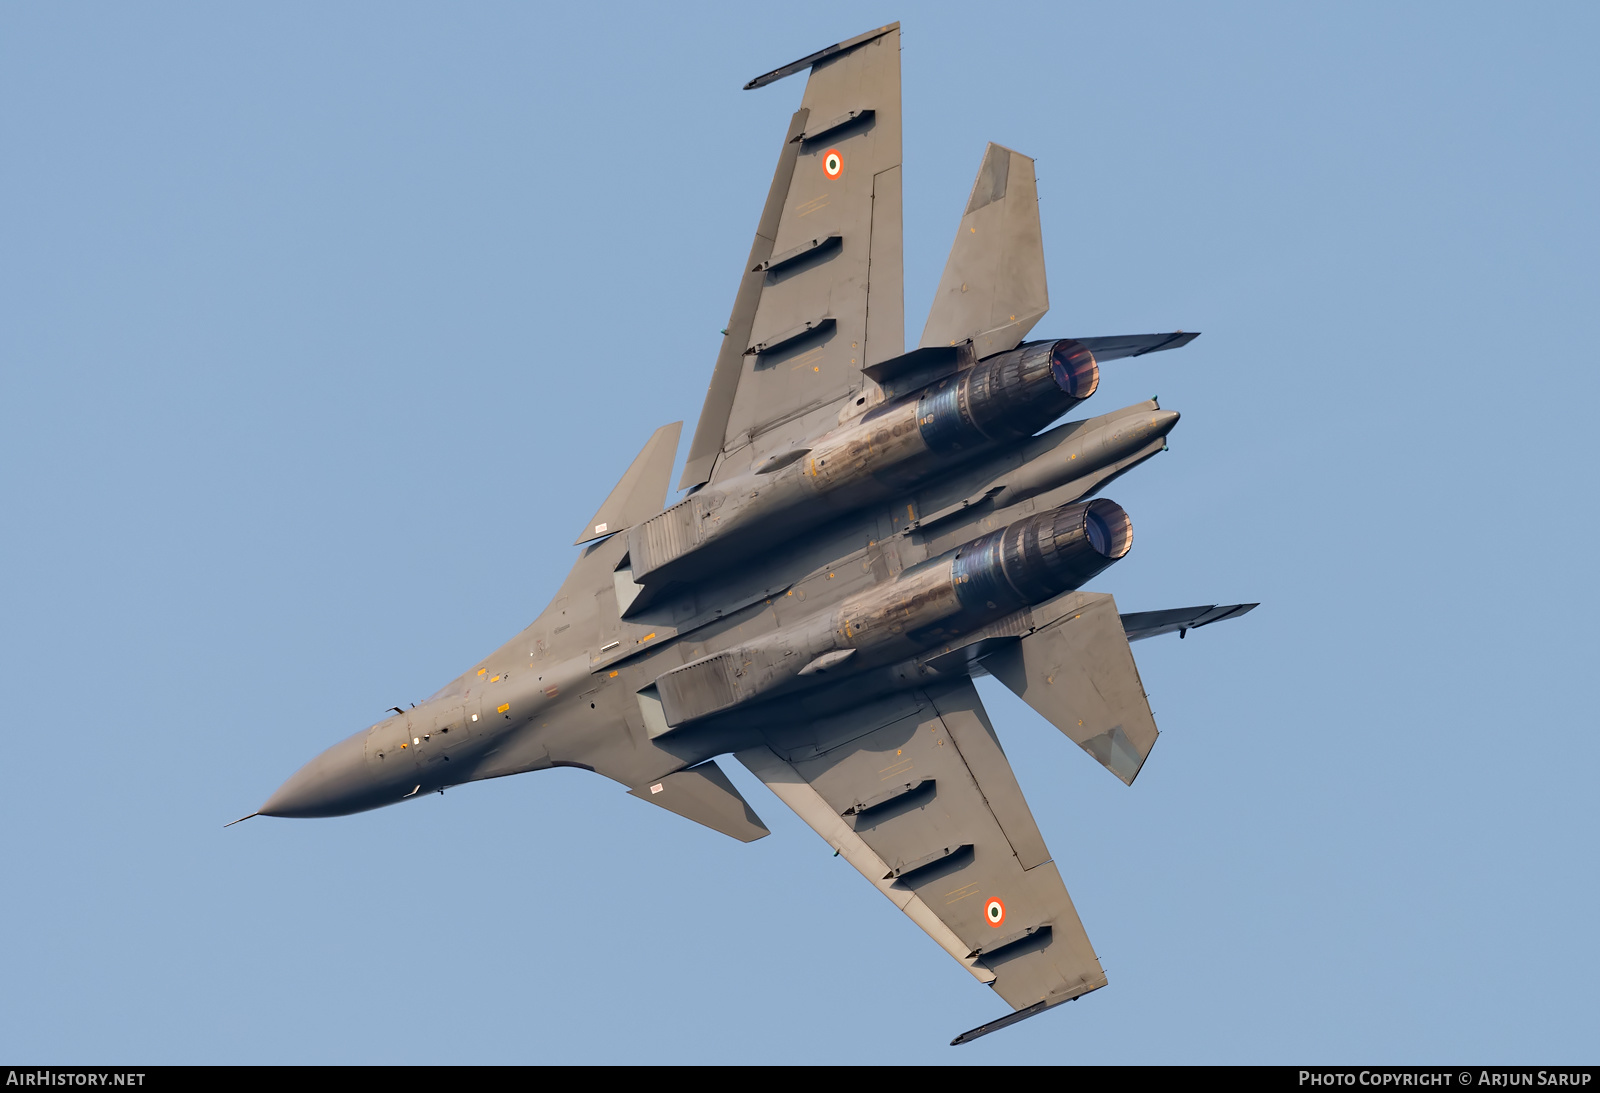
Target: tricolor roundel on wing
[
  {"x": 994, "y": 912},
  {"x": 832, "y": 164}
]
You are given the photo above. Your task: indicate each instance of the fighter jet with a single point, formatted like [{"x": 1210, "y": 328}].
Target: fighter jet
[{"x": 865, "y": 529}]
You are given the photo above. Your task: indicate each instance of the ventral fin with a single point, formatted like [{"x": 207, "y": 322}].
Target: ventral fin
[
  {"x": 705, "y": 795},
  {"x": 643, "y": 490}
]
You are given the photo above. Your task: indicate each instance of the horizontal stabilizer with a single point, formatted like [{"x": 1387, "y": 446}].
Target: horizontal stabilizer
[
  {"x": 643, "y": 490},
  {"x": 1149, "y": 624},
  {"x": 1136, "y": 345},
  {"x": 704, "y": 794},
  {"x": 1079, "y": 673},
  {"x": 993, "y": 289}
]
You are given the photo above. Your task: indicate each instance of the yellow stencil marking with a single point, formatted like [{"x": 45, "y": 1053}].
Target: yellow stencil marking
[
  {"x": 956, "y": 894},
  {"x": 806, "y": 358},
  {"x": 494, "y": 679},
  {"x": 897, "y": 770},
  {"x": 613, "y": 675},
  {"x": 642, "y": 640},
  {"x": 806, "y": 208},
  {"x": 483, "y": 671},
  {"x": 503, "y": 707}
]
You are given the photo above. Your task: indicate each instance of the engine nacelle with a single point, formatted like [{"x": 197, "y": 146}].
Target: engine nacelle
[
  {"x": 1005, "y": 397},
  {"x": 1009, "y": 395},
  {"x": 1021, "y": 564}
]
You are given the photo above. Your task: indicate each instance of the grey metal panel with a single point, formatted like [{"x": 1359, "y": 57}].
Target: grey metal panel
[
  {"x": 886, "y": 303},
  {"x": 812, "y": 329},
  {"x": 1091, "y": 484},
  {"x": 664, "y": 536},
  {"x": 704, "y": 794},
  {"x": 993, "y": 289},
  {"x": 698, "y": 689},
  {"x": 854, "y": 201},
  {"x": 819, "y": 129},
  {"x": 934, "y": 359},
  {"x": 1079, "y": 673},
  {"x": 952, "y": 847},
  {"x": 809, "y": 249},
  {"x": 793, "y": 790},
  {"x": 643, "y": 488},
  {"x": 712, "y": 426},
  {"x": 971, "y": 730},
  {"x": 1148, "y": 624}
]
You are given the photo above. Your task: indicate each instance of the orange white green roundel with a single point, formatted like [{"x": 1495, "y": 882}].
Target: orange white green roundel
[
  {"x": 832, "y": 163},
  {"x": 994, "y": 912}
]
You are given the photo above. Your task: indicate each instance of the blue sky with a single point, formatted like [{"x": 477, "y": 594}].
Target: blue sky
[{"x": 325, "y": 327}]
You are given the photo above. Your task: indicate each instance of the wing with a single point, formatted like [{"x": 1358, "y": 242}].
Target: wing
[
  {"x": 821, "y": 296},
  {"x": 916, "y": 793}
]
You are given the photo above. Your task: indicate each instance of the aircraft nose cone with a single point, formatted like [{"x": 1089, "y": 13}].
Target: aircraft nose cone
[{"x": 333, "y": 784}]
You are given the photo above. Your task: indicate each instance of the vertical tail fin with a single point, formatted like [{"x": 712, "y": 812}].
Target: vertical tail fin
[{"x": 993, "y": 288}]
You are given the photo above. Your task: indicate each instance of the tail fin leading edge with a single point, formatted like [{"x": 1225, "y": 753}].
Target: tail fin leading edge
[{"x": 993, "y": 289}]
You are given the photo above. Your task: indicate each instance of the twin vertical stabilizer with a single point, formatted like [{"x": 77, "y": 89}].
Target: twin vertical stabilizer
[{"x": 993, "y": 289}]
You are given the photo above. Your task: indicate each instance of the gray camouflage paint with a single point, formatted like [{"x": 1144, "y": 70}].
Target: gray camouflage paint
[{"x": 866, "y": 528}]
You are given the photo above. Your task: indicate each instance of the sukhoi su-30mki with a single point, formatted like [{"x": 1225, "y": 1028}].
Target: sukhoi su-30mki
[{"x": 865, "y": 528}]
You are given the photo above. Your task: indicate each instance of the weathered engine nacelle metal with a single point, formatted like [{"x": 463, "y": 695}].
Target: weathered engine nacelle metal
[
  {"x": 1021, "y": 564},
  {"x": 1009, "y": 395},
  {"x": 1006, "y": 397}
]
